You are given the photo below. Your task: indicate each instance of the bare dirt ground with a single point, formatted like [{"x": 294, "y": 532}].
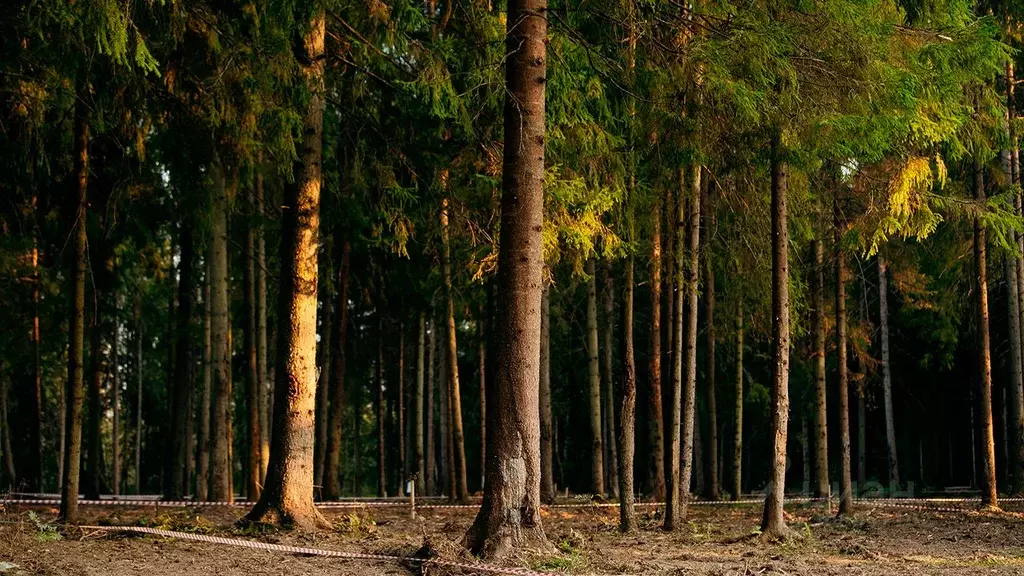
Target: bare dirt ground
[{"x": 714, "y": 541}]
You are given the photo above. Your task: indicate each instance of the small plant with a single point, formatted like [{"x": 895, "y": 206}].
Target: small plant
[{"x": 45, "y": 532}]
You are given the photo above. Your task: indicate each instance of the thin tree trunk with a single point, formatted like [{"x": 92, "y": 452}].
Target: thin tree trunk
[
  {"x": 697, "y": 462},
  {"x": 547, "y": 478},
  {"x": 988, "y": 489},
  {"x": 166, "y": 425},
  {"x": 288, "y": 491},
  {"x": 116, "y": 396},
  {"x": 805, "y": 449},
  {"x": 92, "y": 483},
  {"x": 431, "y": 453},
  {"x": 627, "y": 429},
  {"x": 689, "y": 383},
  {"x": 379, "y": 406},
  {"x": 138, "y": 398},
  {"x": 674, "y": 486},
  {"x": 509, "y": 517},
  {"x": 737, "y": 455},
  {"x": 262, "y": 372},
  {"x": 402, "y": 460},
  {"x": 183, "y": 372},
  {"x": 254, "y": 441},
  {"x": 773, "y": 523},
  {"x": 611, "y": 436},
  {"x": 656, "y": 438},
  {"x": 417, "y": 424},
  {"x": 458, "y": 448},
  {"x": 33, "y": 472},
  {"x": 5, "y": 435},
  {"x": 597, "y": 450},
  {"x": 709, "y": 368},
  {"x": 890, "y": 427},
  {"x": 845, "y": 488},
  {"x": 332, "y": 464},
  {"x": 323, "y": 391},
  {"x": 76, "y": 323},
  {"x": 1013, "y": 264},
  {"x": 821, "y": 486},
  {"x": 203, "y": 467},
  {"x": 220, "y": 334},
  {"x": 481, "y": 357}
]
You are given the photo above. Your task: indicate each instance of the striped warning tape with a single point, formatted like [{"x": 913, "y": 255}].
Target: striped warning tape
[{"x": 256, "y": 545}]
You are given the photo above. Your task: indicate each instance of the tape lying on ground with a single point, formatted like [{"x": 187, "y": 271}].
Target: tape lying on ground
[{"x": 256, "y": 545}]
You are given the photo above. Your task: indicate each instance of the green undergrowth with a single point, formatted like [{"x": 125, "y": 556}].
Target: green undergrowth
[{"x": 570, "y": 558}]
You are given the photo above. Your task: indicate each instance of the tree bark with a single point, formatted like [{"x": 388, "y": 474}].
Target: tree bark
[
  {"x": 988, "y": 488},
  {"x": 890, "y": 427},
  {"x": 262, "y": 372},
  {"x": 220, "y": 334},
  {"x": 773, "y": 523},
  {"x": 1013, "y": 265},
  {"x": 92, "y": 483},
  {"x": 76, "y": 323},
  {"x": 183, "y": 372},
  {"x": 509, "y": 515},
  {"x": 5, "y": 435},
  {"x": 417, "y": 424},
  {"x": 597, "y": 449},
  {"x": 611, "y": 436},
  {"x": 380, "y": 408},
  {"x": 115, "y": 397},
  {"x": 431, "y": 456},
  {"x": 481, "y": 357},
  {"x": 821, "y": 486},
  {"x": 627, "y": 428},
  {"x": 138, "y": 402},
  {"x": 458, "y": 448},
  {"x": 845, "y": 488},
  {"x": 254, "y": 440},
  {"x": 288, "y": 492},
  {"x": 737, "y": 454},
  {"x": 332, "y": 464},
  {"x": 323, "y": 390},
  {"x": 656, "y": 438},
  {"x": 691, "y": 268},
  {"x": 674, "y": 486},
  {"x": 709, "y": 318},
  {"x": 203, "y": 467},
  {"x": 165, "y": 427},
  {"x": 402, "y": 460},
  {"x": 33, "y": 472},
  {"x": 547, "y": 477}
]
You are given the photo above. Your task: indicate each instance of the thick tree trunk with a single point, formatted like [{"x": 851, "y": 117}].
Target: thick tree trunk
[
  {"x": 709, "y": 368},
  {"x": 332, "y": 464},
  {"x": 821, "y": 485},
  {"x": 431, "y": 452},
  {"x": 458, "y": 447},
  {"x": 627, "y": 428},
  {"x": 323, "y": 391},
  {"x": 845, "y": 487},
  {"x": 288, "y": 492},
  {"x": 254, "y": 440},
  {"x": 183, "y": 372},
  {"x": 773, "y": 523},
  {"x": 115, "y": 395},
  {"x": 220, "y": 334},
  {"x": 988, "y": 451},
  {"x": 203, "y": 466},
  {"x": 656, "y": 421},
  {"x": 417, "y": 425},
  {"x": 674, "y": 486},
  {"x": 262, "y": 371},
  {"x": 890, "y": 427},
  {"x": 509, "y": 516},
  {"x": 76, "y": 322},
  {"x": 611, "y": 436},
  {"x": 689, "y": 392},
  {"x": 737, "y": 454},
  {"x": 547, "y": 477},
  {"x": 594, "y": 372}
]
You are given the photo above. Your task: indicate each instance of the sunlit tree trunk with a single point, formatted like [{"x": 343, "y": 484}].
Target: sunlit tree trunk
[
  {"x": 821, "y": 485},
  {"x": 988, "y": 453},
  {"x": 674, "y": 486},
  {"x": 883, "y": 330},
  {"x": 332, "y": 464},
  {"x": 773, "y": 523},
  {"x": 183, "y": 371},
  {"x": 655, "y": 418},
  {"x": 547, "y": 477},
  {"x": 691, "y": 268},
  {"x": 509, "y": 516},
  {"x": 627, "y": 428},
  {"x": 845, "y": 488},
  {"x": 737, "y": 454},
  {"x": 611, "y": 436},
  {"x": 220, "y": 335},
  {"x": 594, "y": 372},
  {"x": 458, "y": 447},
  {"x": 288, "y": 491},
  {"x": 76, "y": 321}
]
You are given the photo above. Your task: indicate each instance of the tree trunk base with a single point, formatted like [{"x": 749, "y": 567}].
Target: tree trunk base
[
  {"x": 777, "y": 533},
  {"x": 498, "y": 532},
  {"x": 300, "y": 516}
]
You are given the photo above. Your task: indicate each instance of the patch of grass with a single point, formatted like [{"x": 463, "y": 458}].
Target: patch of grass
[
  {"x": 561, "y": 563},
  {"x": 355, "y": 525},
  {"x": 179, "y": 522},
  {"x": 701, "y": 532},
  {"x": 45, "y": 532}
]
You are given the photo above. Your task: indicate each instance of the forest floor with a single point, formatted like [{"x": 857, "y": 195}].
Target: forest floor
[{"x": 714, "y": 541}]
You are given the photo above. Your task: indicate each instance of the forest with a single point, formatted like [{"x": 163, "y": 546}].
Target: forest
[{"x": 580, "y": 285}]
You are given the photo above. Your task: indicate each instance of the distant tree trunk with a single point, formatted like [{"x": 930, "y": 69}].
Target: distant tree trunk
[
  {"x": 691, "y": 268},
  {"x": 805, "y": 449},
  {"x": 220, "y": 335},
  {"x": 92, "y": 484},
  {"x": 203, "y": 466},
  {"x": 821, "y": 486},
  {"x": 379, "y": 406},
  {"x": 890, "y": 427},
  {"x": 33, "y": 472},
  {"x": 254, "y": 440},
  {"x": 656, "y": 438},
  {"x": 183, "y": 372},
  {"x": 76, "y": 322},
  {"x": 697, "y": 457},
  {"x": 323, "y": 389},
  {"x": 481, "y": 357},
  {"x": 451, "y": 348},
  {"x": 288, "y": 491},
  {"x": 431, "y": 453},
  {"x": 773, "y": 524},
  {"x": 332, "y": 464},
  {"x": 547, "y": 478},
  {"x": 737, "y": 455},
  {"x": 402, "y": 460},
  {"x": 166, "y": 425},
  {"x": 5, "y": 435},
  {"x": 709, "y": 368},
  {"x": 845, "y": 488},
  {"x": 597, "y": 450},
  {"x": 1015, "y": 462},
  {"x": 357, "y": 421},
  {"x": 862, "y": 425},
  {"x": 138, "y": 400},
  {"x": 417, "y": 424},
  {"x": 262, "y": 371},
  {"x": 674, "y": 486},
  {"x": 509, "y": 516},
  {"x": 116, "y": 396},
  {"x": 611, "y": 436},
  {"x": 988, "y": 488},
  {"x": 627, "y": 429}
]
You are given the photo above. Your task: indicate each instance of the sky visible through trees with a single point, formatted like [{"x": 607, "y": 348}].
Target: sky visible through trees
[{"x": 299, "y": 251}]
